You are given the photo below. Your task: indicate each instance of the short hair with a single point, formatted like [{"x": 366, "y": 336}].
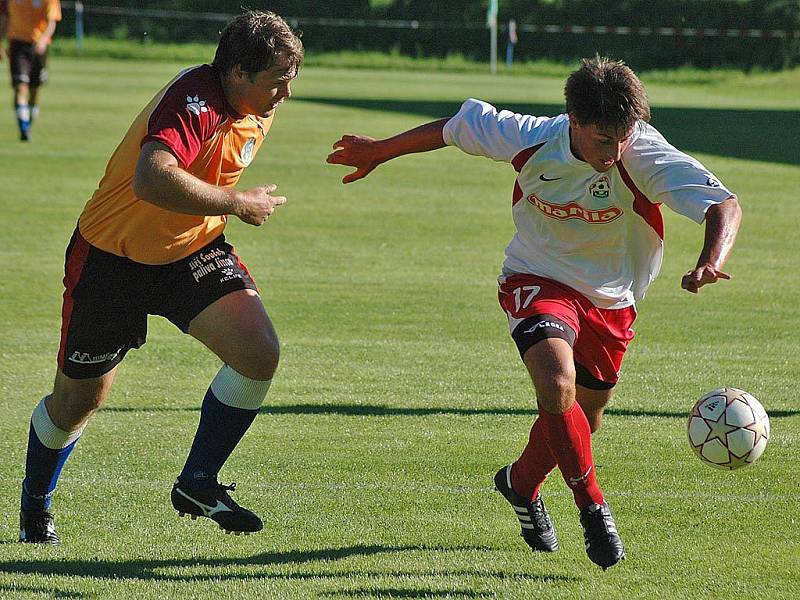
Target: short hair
[
  {"x": 606, "y": 93},
  {"x": 253, "y": 40}
]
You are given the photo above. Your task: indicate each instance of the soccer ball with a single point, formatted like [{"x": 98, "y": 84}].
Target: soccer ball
[{"x": 728, "y": 428}]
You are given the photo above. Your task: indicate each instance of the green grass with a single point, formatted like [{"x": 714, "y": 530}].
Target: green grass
[{"x": 400, "y": 392}]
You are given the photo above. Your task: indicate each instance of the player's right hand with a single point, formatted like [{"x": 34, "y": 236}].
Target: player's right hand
[
  {"x": 255, "y": 206},
  {"x": 357, "y": 151}
]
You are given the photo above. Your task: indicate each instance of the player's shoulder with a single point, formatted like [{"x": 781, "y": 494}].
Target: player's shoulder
[
  {"x": 651, "y": 150},
  {"x": 197, "y": 90}
]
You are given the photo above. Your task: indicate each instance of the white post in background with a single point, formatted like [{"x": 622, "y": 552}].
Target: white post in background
[
  {"x": 79, "y": 25},
  {"x": 491, "y": 23}
]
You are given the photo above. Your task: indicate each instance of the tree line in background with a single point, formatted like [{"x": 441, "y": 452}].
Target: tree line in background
[{"x": 640, "y": 51}]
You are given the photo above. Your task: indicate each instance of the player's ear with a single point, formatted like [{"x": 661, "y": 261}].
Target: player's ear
[
  {"x": 573, "y": 121},
  {"x": 238, "y": 72}
]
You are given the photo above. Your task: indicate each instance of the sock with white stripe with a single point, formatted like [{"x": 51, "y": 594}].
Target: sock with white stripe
[
  {"x": 48, "y": 450},
  {"x": 229, "y": 408}
]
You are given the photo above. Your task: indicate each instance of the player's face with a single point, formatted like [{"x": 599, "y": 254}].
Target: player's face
[
  {"x": 261, "y": 93},
  {"x": 599, "y": 147}
]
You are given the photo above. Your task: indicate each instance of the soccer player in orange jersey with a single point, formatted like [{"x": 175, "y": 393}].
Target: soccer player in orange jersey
[
  {"x": 150, "y": 241},
  {"x": 29, "y": 26}
]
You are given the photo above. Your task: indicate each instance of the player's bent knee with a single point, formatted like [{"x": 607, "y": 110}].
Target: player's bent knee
[
  {"x": 73, "y": 401},
  {"x": 264, "y": 360}
]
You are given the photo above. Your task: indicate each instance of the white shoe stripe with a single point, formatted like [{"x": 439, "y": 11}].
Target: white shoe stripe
[{"x": 207, "y": 510}]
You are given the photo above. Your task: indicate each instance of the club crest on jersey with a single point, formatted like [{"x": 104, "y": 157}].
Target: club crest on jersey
[
  {"x": 195, "y": 105},
  {"x": 600, "y": 188},
  {"x": 562, "y": 212},
  {"x": 247, "y": 151}
]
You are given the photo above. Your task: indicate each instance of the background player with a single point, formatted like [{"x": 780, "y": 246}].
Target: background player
[
  {"x": 150, "y": 242},
  {"x": 589, "y": 241},
  {"x": 29, "y": 26}
]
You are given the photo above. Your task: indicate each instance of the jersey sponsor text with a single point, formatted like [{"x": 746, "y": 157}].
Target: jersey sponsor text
[{"x": 573, "y": 210}]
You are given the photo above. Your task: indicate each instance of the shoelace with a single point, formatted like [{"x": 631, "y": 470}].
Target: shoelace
[
  {"x": 537, "y": 511},
  {"x": 598, "y": 523},
  {"x": 43, "y": 525},
  {"x": 230, "y": 502}
]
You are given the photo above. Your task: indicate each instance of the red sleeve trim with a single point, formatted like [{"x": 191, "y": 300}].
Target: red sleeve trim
[
  {"x": 187, "y": 115},
  {"x": 650, "y": 212},
  {"x": 523, "y": 156},
  {"x": 519, "y": 161}
]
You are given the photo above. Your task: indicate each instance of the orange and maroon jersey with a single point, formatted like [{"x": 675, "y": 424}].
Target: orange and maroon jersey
[
  {"x": 210, "y": 140},
  {"x": 27, "y": 19}
]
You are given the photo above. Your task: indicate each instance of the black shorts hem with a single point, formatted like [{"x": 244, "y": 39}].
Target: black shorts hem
[
  {"x": 534, "y": 329},
  {"x": 585, "y": 379}
]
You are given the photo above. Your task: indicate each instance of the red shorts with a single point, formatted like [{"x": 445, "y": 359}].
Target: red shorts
[{"x": 599, "y": 337}]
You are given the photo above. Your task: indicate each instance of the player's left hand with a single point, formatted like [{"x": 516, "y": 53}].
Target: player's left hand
[
  {"x": 41, "y": 47},
  {"x": 700, "y": 276}
]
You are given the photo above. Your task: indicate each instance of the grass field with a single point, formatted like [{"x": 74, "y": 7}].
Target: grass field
[{"x": 400, "y": 392}]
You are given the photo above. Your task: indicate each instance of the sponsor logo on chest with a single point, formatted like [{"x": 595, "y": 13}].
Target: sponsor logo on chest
[
  {"x": 247, "y": 151},
  {"x": 573, "y": 210}
]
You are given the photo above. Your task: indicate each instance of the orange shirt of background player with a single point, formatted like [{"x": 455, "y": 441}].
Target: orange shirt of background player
[{"x": 27, "y": 19}]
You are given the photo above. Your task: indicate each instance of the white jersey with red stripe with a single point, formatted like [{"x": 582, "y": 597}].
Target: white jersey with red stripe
[{"x": 599, "y": 233}]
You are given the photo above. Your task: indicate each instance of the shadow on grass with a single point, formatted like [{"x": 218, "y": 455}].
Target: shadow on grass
[
  {"x": 382, "y": 592},
  {"x": 735, "y": 133},
  {"x": 376, "y": 410},
  {"x": 141, "y": 569}
]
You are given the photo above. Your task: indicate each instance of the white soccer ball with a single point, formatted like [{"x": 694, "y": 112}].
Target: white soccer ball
[{"x": 728, "y": 428}]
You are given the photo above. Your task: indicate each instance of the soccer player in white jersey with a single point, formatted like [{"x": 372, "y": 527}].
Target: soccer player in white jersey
[{"x": 586, "y": 204}]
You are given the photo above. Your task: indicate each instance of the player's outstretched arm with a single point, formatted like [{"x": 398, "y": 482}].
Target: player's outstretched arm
[
  {"x": 365, "y": 153},
  {"x": 160, "y": 180},
  {"x": 722, "y": 225}
]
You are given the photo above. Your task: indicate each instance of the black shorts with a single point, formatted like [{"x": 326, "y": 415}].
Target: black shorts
[
  {"x": 27, "y": 66},
  {"x": 108, "y": 298}
]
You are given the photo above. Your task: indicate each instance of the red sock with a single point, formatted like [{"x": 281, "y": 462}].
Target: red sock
[
  {"x": 533, "y": 466},
  {"x": 570, "y": 440}
]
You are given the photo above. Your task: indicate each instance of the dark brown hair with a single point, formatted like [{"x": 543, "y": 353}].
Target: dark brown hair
[
  {"x": 606, "y": 93},
  {"x": 253, "y": 40}
]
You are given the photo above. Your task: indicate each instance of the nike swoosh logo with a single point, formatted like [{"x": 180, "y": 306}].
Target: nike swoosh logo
[
  {"x": 543, "y": 178},
  {"x": 581, "y": 479}
]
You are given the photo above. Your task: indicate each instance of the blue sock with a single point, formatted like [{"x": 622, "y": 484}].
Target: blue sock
[
  {"x": 23, "y": 117},
  {"x": 220, "y": 430},
  {"x": 45, "y": 459}
]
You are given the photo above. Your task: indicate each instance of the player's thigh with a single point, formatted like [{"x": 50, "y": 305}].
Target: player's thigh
[
  {"x": 39, "y": 72},
  {"x": 543, "y": 323},
  {"x": 102, "y": 315},
  {"x": 550, "y": 365},
  {"x": 238, "y": 330},
  {"x": 74, "y": 400},
  {"x": 20, "y": 59},
  {"x": 211, "y": 295}
]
